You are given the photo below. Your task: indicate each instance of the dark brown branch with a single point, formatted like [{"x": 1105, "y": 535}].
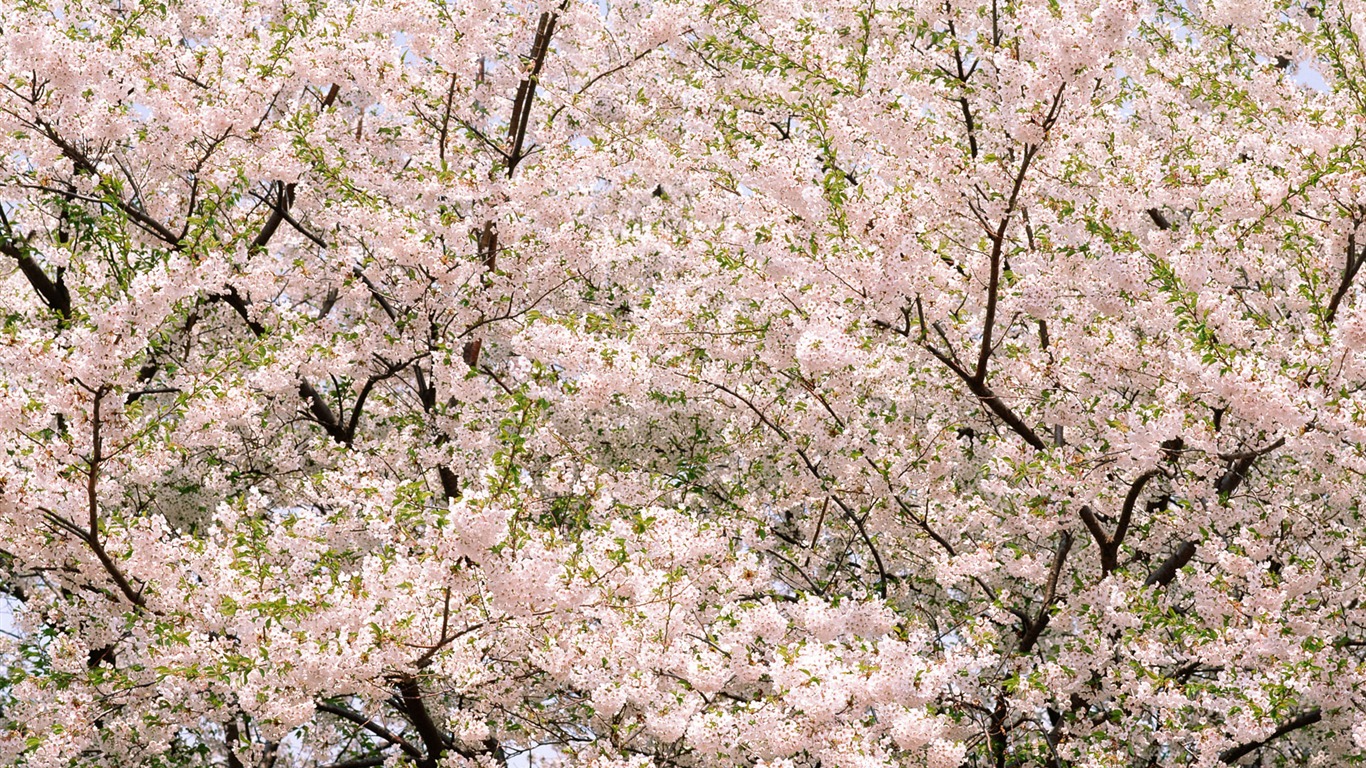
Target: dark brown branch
[
  {"x": 998, "y": 241},
  {"x": 146, "y": 373},
  {"x": 446, "y": 123},
  {"x": 1167, "y": 570},
  {"x": 1253, "y": 454},
  {"x": 85, "y": 165},
  {"x": 282, "y": 211},
  {"x": 425, "y": 660},
  {"x": 755, "y": 409},
  {"x": 375, "y": 293},
  {"x": 884, "y": 577},
  {"x": 371, "y": 726},
  {"x": 1109, "y": 545},
  {"x": 284, "y": 195},
  {"x": 859, "y": 525},
  {"x": 390, "y": 370},
  {"x": 360, "y": 762},
  {"x": 1107, "y": 563},
  {"x": 53, "y": 293},
  {"x": 1130, "y": 500},
  {"x": 91, "y": 533},
  {"x": 284, "y": 198},
  {"x": 317, "y": 406},
  {"x": 612, "y": 71},
  {"x": 321, "y": 413},
  {"x": 923, "y": 522},
  {"x": 488, "y": 245},
  {"x": 1231, "y": 756},
  {"x": 470, "y": 352},
  {"x": 240, "y": 305},
  {"x": 1033, "y": 629},
  {"x": 997, "y": 737},
  {"x": 1241, "y": 464},
  {"x": 976, "y": 381},
  {"x": 271, "y": 754},
  {"x": 331, "y": 96},
  {"x": 92, "y": 496},
  {"x": 1235, "y": 475},
  {"x": 968, "y": 121},
  {"x": 1355, "y": 259},
  {"x": 987, "y": 396},
  {"x": 526, "y": 90},
  {"x": 96, "y": 456},
  {"x": 232, "y": 735},
  {"x": 416, "y": 709},
  {"x": 1004, "y": 413},
  {"x": 450, "y": 484}
]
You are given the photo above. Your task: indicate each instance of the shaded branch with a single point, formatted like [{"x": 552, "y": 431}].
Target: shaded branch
[
  {"x": 373, "y": 727},
  {"x": 1241, "y": 464},
  {"x": 1305, "y": 720},
  {"x": 84, "y": 164},
  {"x": 415, "y": 708},
  {"x": 1109, "y": 545},
  {"x": 362, "y": 762},
  {"x": 526, "y": 90},
  {"x": 90, "y": 534},
  {"x": 52, "y": 293},
  {"x": 1356, "y": 257},
  {"x": 1167, "y": 570},
  {"x": 1034, "y": 628}
]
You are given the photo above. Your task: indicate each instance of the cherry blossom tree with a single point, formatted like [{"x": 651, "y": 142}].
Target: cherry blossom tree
[{"x": 682, "y": 383}]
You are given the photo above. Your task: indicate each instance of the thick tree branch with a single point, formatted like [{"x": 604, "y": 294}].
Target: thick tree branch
[
  {"x": 284, "y": 199},
  {"x": 53, "y": 293},
  {"x": 1034, "y": 628},
  {"x": 284, "y": 196},
  {"x": 1167, "y": 570},
  {"x": 526, "y": 90},
  {"x": 1240, "y": 464},
  {"x": 373, "y": 727},
  {"x": 433, "y": 740},
  {"x": 317, "y": 407},
  {"x": 997, "y": 734},
  {"x": 1230, "y": 756},
  {"x": 232, "y": 734},
  {"x": 1126, "y": 514},
  {"x": 998, "y": 242},
  {"x": 1356, "y": 257},
  {"x": 1109, "y": 545}
]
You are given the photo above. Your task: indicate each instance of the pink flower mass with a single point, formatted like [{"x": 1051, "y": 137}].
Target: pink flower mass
[{"x": 682, "y": 383}]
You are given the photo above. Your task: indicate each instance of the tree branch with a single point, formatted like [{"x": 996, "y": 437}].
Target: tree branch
[
  {"x": 526, "y": 90},
  {"x": 1355, "y": 259},
  {"x": 91, "y": 533},
  {"x": 1226, "y": 484},
  {"x": 416, "y": 710},
  {"x": 1230, "y": 756},
  {"x": 1033, "y": 629},
  {"x": 998, "y": 241},
  {"x": 53, "y": 293},
  {"x": 373, "y": 727},
  {"x": 1167, "y": 570}
]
